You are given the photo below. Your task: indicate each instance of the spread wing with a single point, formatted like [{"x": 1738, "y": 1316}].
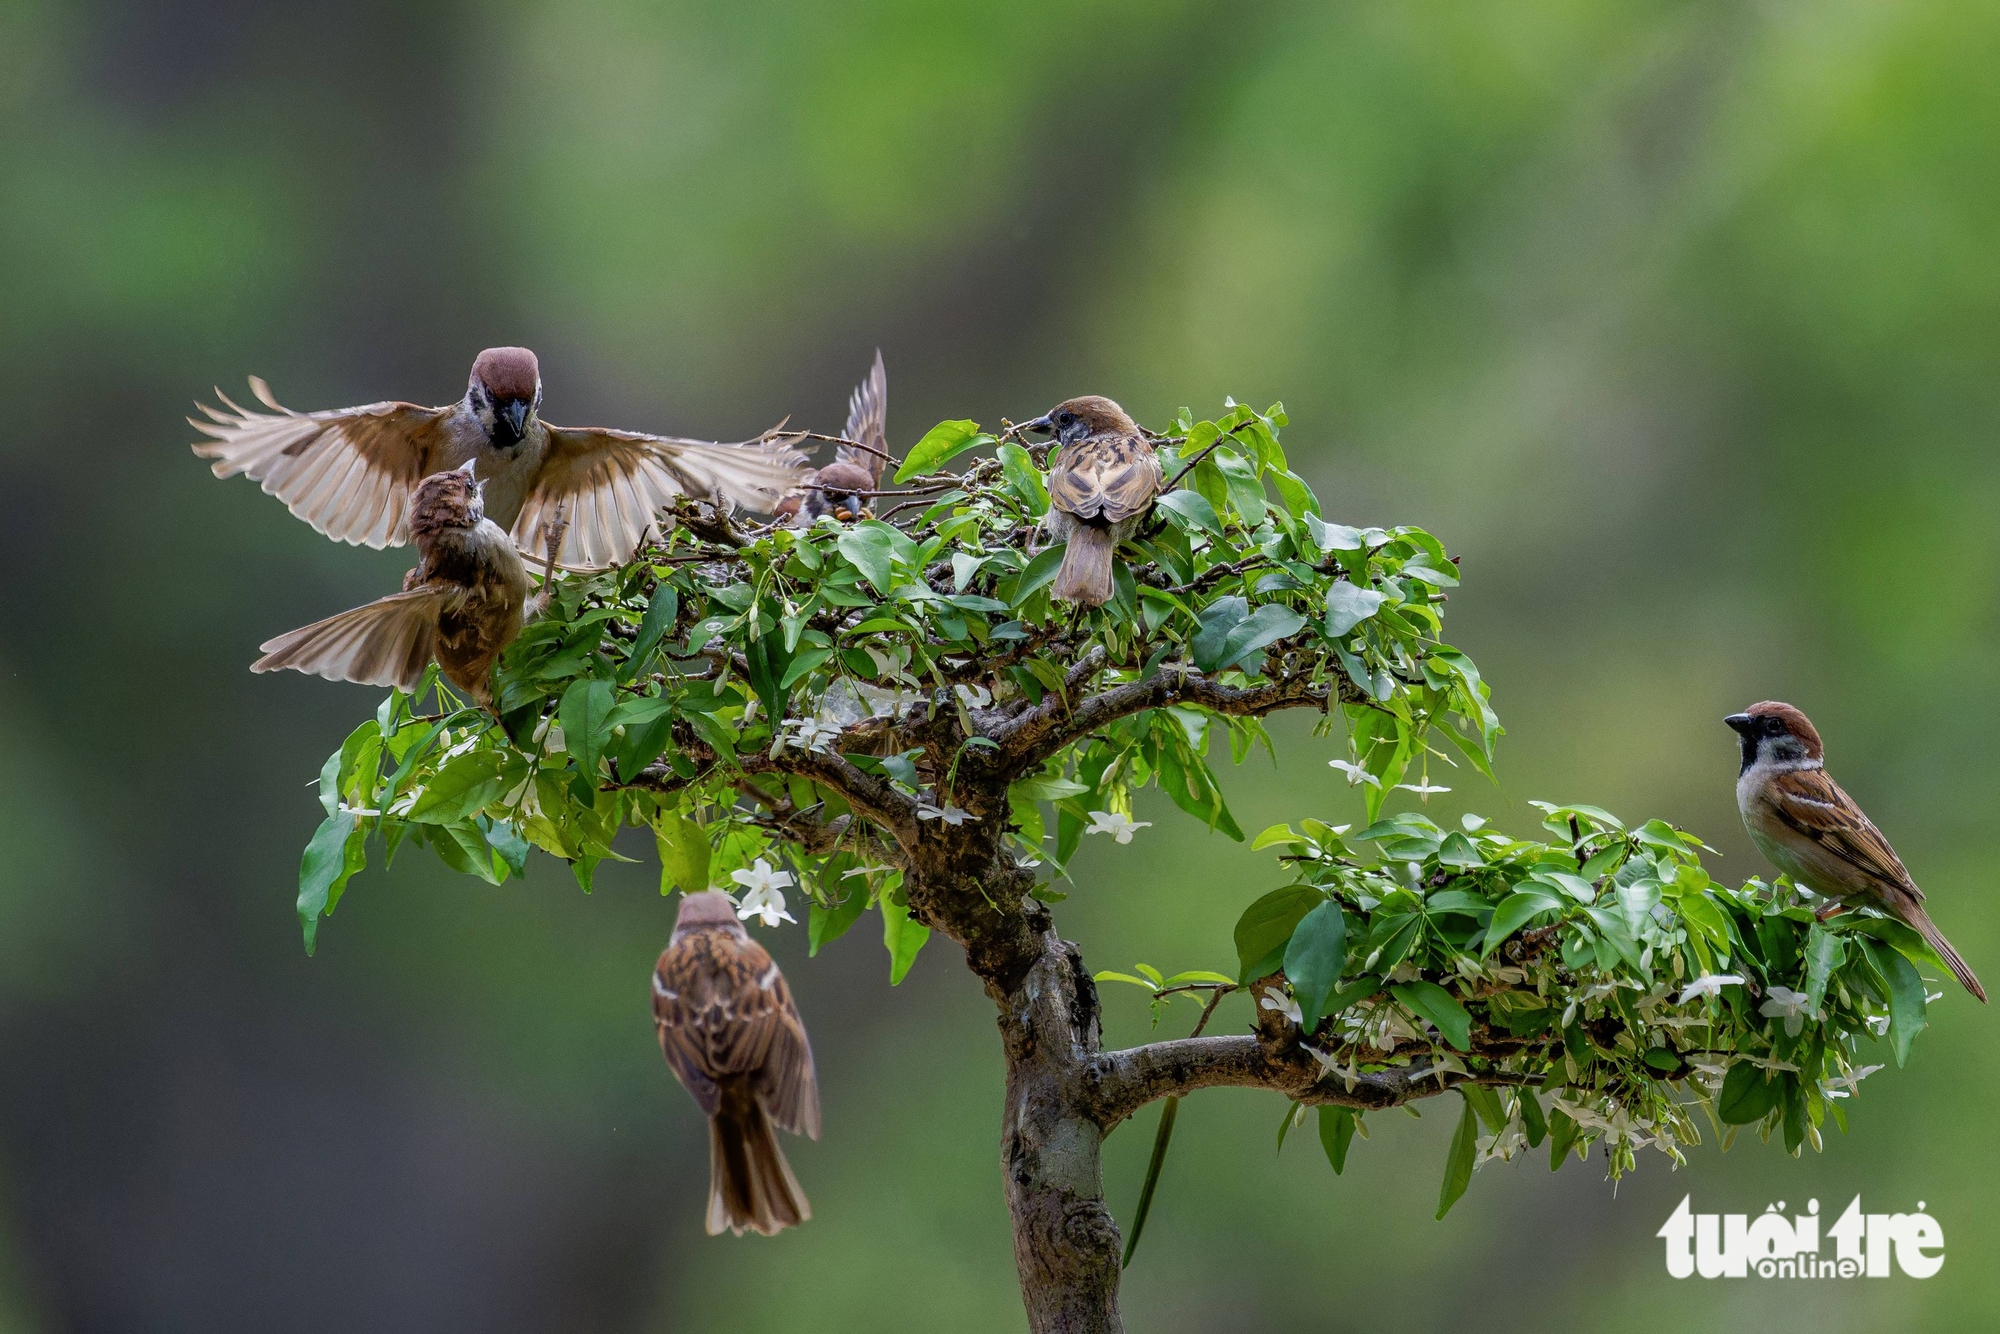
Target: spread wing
[
  {"x": 1810, "y": 803},
  {"x": 868, "y": 422},
  {"x": 723, "y": 1010},
  {"x": 613, "y": 483},
  {"x": 389, "y": 642},
  {"x": 1110, "y": 477},
  {"x": 348, "y": 472}
]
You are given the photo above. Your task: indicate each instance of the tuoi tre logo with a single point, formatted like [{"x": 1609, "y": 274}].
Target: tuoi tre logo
[{"x": 1774, "y": 1246}]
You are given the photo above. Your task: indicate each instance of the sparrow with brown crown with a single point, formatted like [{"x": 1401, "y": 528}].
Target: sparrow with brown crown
[
  {"x": 1811, "y": 830},
  {"x": 462, "y": 606},
  {"x": 842, "y": 488},
  {"x": 350, "y": 472},
  {"x": 1102, "y": 484},
  {"x": 732, "y": 1036}
]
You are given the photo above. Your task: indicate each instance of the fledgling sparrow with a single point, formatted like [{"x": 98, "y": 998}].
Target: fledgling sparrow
[
  {"x": 732, "y": 1036},
  {"x": 1103, "y": 480},
  {"x": 1811, "y": 830},
  {"x": 462, "y": 605},
  {"x": 349, "y": 472},
  {"x": 841, "y": 488}
]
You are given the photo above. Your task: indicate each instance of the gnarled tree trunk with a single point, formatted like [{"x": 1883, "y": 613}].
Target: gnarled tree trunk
[{"x": 1065, "y": 1244}]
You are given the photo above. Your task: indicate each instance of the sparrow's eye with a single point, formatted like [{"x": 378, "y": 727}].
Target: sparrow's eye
[{"x": 1065, "y": 419}]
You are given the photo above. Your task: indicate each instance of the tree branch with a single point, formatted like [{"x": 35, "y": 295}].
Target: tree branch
[
  {"x": 1127, "y": 1080},
  {"x": 1030, "y": 738}
]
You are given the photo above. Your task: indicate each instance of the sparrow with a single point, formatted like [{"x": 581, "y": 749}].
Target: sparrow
[
  {"x": 732, "y": 1036},
  {"x": 1811, "y": 830},
  {"x": 841, "y": 488},
  {"x": 349, "y": 472},
  {"x": 462, "y": 605},
  {"x": 1102, "y": 483}
]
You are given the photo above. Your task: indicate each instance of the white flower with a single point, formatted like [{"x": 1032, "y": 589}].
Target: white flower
[
  {"x": 1274, "y": 999},
  {"x": 761, "y": 896},
  {"x": 1843, "y": 1085},
  {"x": 814, "y": 734},
  {"x": 1879, "y": 1022},
  {"x": 1788, "y": 1005},
  {"x": 1709, "y": 984},
  {"x": 973, "y": 697},
  {"x": 1329, "y": 1064},
  {"x": 948, "y": 813},
  {"x": 1356, "y": 775},
  {"x": 1120, "y": 827},
  {"x": 1423, "y": 789}
]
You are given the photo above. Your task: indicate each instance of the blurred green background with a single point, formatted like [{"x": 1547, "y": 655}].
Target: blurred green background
[{"x": 1679, "y": 320}]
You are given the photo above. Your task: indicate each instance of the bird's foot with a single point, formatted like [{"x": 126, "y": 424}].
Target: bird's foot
[{"x": 1826, "y": 910}]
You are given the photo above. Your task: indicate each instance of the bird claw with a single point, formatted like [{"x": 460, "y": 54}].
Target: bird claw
[{"x": 1826, "y": 910}]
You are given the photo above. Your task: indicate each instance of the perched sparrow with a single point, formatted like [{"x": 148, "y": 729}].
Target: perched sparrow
[
  {"x": 349, "y": 472},
  {"x": 462, "y": 605},
  {"x": 841, "y": 487},
  {"x": 732, "y": 1036},
  {"x": 1813, "y": 831},
  {"x": 1103, "y": 481}
]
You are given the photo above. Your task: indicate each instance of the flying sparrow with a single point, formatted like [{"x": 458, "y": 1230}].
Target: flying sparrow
[
  {"x": 1102, "y": 483},
  {"x": 1813, "y": 831},
  {"x": 733, "y": 1038},
  {"x": 349, "y": 472},
  {"x": 462, "y": 605},
  {"x": 841, "y": 487}
]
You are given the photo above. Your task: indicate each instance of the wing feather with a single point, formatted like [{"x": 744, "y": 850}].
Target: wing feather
[
  {"x": 1810, "y": 803},
  {"x": 868, "y": 422},
  {"x": 322, "y": 464},
  {"x": 615, "y": 482},
  {"x": 388, "y": 642}
]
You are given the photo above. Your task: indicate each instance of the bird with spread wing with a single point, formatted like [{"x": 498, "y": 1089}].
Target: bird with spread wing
[
  {"x": 350, "y": 472},
  {"x": 844, "y": 487}
]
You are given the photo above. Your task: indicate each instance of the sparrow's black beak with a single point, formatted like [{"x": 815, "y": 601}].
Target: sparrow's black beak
[
  {"x": 510, "y": 420},
  {"x": 1039, "y": 425},
  {"x": 1740, "y": 722}
]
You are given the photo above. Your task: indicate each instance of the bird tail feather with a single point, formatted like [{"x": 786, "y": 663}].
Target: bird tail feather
[
  {"x": 1085, "y": 575},
  {"x": 750, "y": 1185},
  {"x": 1926, "y": 928},
  {"x": 389, "y": 642}
]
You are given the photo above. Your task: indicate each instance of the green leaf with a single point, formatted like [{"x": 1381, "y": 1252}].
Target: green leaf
[
  {"x": 1189, "y": 509},
  {"x": 900, "y": 934},
  {"x": 943, "y": 442},
  {"x": 1433, "y": 1002},
  {"x": 684, "y": 853},
  {"x": 1218, "y": 620},
  {"x": 1348, "y": 605},
  {"x": 324, "y": 869},
  {"x": 869, "y": 550},
  {"x": 1907, "y": 1007},
  {"x": 1336, "y": 1132},
  {"x": 1266, "y": 928},
  {"x": 1047, "y": 787},
  {"x": 1825, "y": 952},
  {"x": 585, "y": 715},
  {"x": 1458, "y": 1163},
  {"x": 661, "y": 612},
  {"x": 1161, "y": 1138},
  {"x": 1268, "y": 624},
  {"x": 825, "y": 925},
  {"x": 1563, "y": 1133},
  {"x": 461, "y": 788},
  {"x": 1747, "y": 1096},
  {"x": 1315, "y": 958},
  {"x": 1486, "y": 1103},
  {"x": 1039, "y": 574},
  {"x": 1276, "y": 834},
  {"x": 1515, "y": 912},
  {"x": 1531, "y": 1118},
  {"x": 1024, "y": 479}
]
